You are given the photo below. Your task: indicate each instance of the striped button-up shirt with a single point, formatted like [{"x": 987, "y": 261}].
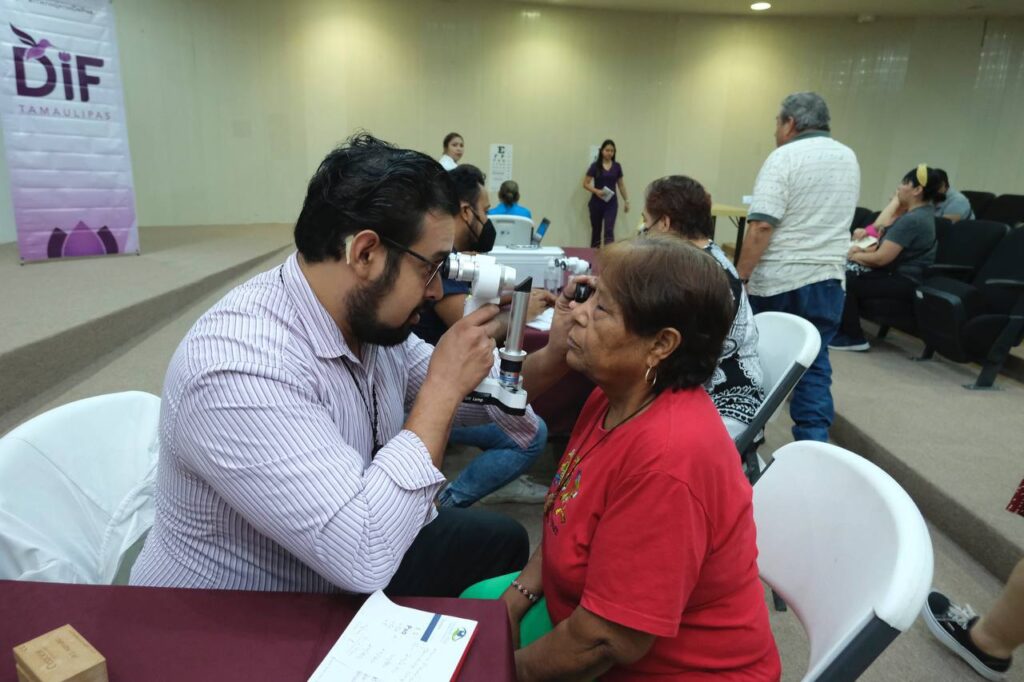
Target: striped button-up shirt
[{"x": 266, "y": 479}]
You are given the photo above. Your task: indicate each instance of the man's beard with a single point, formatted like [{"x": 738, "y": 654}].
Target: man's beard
[{"x": 363, "y": 304}]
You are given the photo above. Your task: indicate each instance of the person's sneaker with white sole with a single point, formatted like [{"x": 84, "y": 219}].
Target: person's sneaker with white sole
[
  {"x": 951, "y": 624},
  {"x": 843, "y": 342},
  {"x": 519, "y": 491}
]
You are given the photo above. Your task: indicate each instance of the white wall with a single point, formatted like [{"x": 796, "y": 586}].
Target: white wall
[{"x": 232, "y": 104}]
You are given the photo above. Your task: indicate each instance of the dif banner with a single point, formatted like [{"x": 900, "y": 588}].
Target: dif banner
[{"x": 64, "y": 129}]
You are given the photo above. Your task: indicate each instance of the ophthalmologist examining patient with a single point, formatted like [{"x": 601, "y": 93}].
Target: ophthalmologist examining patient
[{"x": 303, "y": 427}]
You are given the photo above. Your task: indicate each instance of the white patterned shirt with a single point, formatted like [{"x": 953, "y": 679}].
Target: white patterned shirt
[
  {"x": 265, "y": 479},
  {"x": 807, "y": 190}
]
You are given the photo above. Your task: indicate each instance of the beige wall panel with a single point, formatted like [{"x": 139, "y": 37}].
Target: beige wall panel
[{"x": 232, "y": 104}]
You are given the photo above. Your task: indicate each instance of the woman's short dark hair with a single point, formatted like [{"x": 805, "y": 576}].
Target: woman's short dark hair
[
  {"x": 367, "y": 183},
  {"x": 690, "y": 294},
  {"x": 467, "y": 179},
  {"x": 449, "y": 137},
  {"x": 931, "y": 186},
  {"x": 686, "y": 204},
  {"x": 509, "y": 192}
]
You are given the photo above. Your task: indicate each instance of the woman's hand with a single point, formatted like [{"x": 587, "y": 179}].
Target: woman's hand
[
  {"x": 859, "y": 233},
  {"x": 515, "y": 613},
  {"x": 540, "y": 300},
  {"x": 626, "y": 207},
  {"x": 561, "y": 322}
]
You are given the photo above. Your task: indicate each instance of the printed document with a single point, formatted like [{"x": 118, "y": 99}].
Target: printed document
[{"x": 386, "y": 642}]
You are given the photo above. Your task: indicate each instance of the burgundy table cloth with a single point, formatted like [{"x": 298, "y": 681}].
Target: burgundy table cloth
[{"x": 150, "y": 634}]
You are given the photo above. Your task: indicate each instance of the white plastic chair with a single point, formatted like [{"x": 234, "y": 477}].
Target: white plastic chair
[
  {"x": 847, "y": 549},
  {"x": 76, "y": 488},
  {"x": 786, "y": 347},
  {"x": 512, "y": 230}
]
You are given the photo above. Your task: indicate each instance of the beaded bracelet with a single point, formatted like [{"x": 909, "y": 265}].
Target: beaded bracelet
[{"x": 525, "y": 592}]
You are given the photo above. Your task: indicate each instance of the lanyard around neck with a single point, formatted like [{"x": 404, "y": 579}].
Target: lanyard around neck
[{"x": 371, "y": 414}]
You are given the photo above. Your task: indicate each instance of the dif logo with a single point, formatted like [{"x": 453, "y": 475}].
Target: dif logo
[{"x": 36, "y": 52}]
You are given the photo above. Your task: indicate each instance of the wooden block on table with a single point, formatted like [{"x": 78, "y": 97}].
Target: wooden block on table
[
  {"x": 61, "y": 655},
  {"x": 22, "y": 675}
]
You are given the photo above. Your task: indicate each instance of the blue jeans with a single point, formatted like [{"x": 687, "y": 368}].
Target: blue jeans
[
  {"x": 501, "y": 461},
  {"x": 821, "y": 304}
]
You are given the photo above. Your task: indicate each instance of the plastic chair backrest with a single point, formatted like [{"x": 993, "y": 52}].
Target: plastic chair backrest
[
  {"x": 786, "y": 347},
  {"x": 512, "y": 230},
  {"x": 842, "y": 543},
  {"x": 782, "y": 341},
  {"x": 76, "y": 488}
]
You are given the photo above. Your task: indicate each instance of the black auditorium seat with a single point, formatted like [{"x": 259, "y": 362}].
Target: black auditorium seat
[
  {"x": 980, "y": 321},
  {"x": 979, "y": 201},
  {"x": 1006, "y": 208},
  {"x": 962, "y": 249}
]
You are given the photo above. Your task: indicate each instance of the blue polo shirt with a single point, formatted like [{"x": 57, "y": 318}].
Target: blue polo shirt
[
  {"x": 514, "y": 209},
  {"x": 955, "y": 204}
]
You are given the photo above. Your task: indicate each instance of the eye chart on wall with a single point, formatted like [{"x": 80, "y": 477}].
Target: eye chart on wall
[{"x": 501, "y": 166}]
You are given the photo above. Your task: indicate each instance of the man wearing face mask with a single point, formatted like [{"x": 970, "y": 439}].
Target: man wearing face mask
[
  {"x": 303, "y": 427},
  {"x": 496, "y": 473}
]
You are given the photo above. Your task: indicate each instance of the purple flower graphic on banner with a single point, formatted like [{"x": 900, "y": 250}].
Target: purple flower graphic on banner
[
  {"x": 83, "y": 241},
  {"x": 35, "y": 49}
]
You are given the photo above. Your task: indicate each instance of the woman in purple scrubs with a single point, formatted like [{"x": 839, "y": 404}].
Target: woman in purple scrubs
[{"x": 604, "y": 174}]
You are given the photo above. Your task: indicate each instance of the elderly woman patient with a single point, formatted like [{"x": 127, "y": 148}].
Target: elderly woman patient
[{"x": 648, "y": 558}]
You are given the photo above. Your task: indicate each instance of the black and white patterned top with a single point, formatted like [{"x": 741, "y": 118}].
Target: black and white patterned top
[{"x": 736, "y": 386}]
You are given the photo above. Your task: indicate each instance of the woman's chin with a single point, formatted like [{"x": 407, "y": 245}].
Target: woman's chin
[{"x": 575, "y": 362}]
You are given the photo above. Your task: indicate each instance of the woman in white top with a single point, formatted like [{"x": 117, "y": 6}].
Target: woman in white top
[{"x": 454, "y": 147}]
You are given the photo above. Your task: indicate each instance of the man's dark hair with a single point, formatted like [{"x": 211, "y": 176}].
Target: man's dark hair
[
  {"x": 685, "y": 202},
  {"x": 369, "y": 184},
  {"x": 467, "y": 179},
  {"x": 943, "y": 176},
  {"x": 690, "y": 294}
]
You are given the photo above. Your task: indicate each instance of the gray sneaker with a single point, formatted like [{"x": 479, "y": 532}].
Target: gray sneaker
[{"x": 519, "y": 491}]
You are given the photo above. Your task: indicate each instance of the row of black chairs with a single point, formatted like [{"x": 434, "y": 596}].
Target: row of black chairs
[
  {"x": 1005, "y": 208},
  {"x": 970, "y": 306}
]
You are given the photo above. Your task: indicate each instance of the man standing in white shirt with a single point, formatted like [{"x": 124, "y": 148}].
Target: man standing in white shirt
[{"x": 798, "y": 234}]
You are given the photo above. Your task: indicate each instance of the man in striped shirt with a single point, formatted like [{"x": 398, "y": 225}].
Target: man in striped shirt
[{"x": 287, "y": 461}]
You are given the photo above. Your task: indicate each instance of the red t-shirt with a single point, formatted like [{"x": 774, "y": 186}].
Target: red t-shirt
[{"x": 655, "y": 532}]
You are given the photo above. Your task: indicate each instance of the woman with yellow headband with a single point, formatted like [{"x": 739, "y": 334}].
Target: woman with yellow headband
[{"x": 893, "y": 267}]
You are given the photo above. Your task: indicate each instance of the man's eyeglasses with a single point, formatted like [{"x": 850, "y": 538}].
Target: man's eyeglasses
[{"x": 432, "y": 268}]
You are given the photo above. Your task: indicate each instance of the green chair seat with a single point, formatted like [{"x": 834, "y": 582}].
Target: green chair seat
[{"x": 535, "y": 624}]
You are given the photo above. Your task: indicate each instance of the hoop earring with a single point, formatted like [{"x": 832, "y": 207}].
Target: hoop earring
[{"x": 647, "y": 376}]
